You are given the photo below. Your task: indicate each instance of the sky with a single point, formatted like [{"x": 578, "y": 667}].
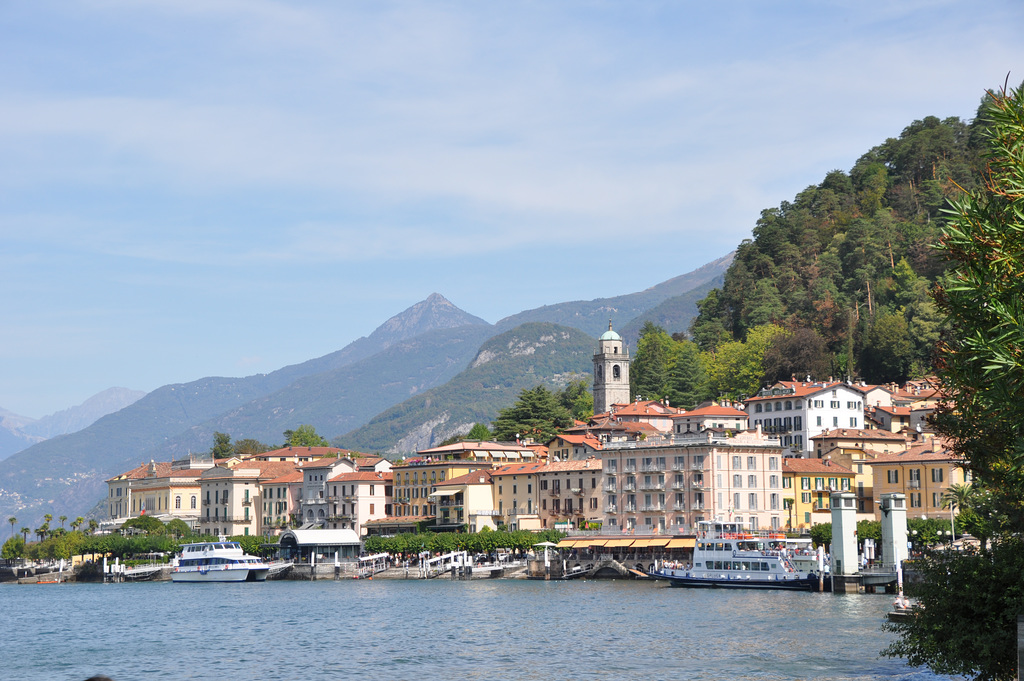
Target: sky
[{"x": 195, "y": 188}]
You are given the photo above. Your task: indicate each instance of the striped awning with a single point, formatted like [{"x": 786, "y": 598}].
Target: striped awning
[
  {"x": 619, "y": 542},
  {"x": 567, "y": 543},
  {"x": 683, "y": 543}
]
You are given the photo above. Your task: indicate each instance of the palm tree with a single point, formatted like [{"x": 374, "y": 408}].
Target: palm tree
[
  {"x": 25, "y": 532},
  {"x": 62, "y": 519},
  {"x": 77, "y": 522},
  {"x": 12, "y": 520},
  {"x": 42, "y": 530},
  {"x": 93, "y": 525},
  {"x": 958, "y": 496}
]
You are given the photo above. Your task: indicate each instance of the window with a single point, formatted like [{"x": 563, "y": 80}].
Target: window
[
  {"x": 892, "y": 476},
  {"x": 834, "y": 404},
  {"x": 767, "y": 406},
  {"x": 805, "y": 483},
  {"x": 798, "y": 422},
  {"x": 616, "y": 372},
  {"x": 751, "y": 481},
  {"x": 371, "y": 509},
  {"x": 773, "y": 463},
  {"x": 789, "y": 404},
  {"x": 193, "y": 501},
  {"x": 853, "y": 421},
  {"x": 773, "y": 481},
  {"x": 752, "y": 501},
  {"x": 737, "y": 481},
  {"x": 737, "y": 462},
  {"x": 936, "y": 475},
  {"x": 819, "y": 404},
  {"x": 751, "y": 463},
  {"x": 758, "y": 408},
  {"x": 774, "y": 501},
  {"x": 787, "y": 483},
  {"x": 177, "y": 502},
  {"x": 736, "y": 500},
  {"x": 805, "y": 497},
  {"x": 818, "y": 418},
  {"x": 915, "y": 500},
  {"x": 835, "y": 421},
  {"x": 845, "y": 484}
]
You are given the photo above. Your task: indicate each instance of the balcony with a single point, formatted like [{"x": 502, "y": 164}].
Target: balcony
[
  {"x": 652, "y": 468},
  {"x": 697, "y": 506},
  {"x": 650, "y": 508},
  {"x": 630, "y": 508},
  {"x": 246, "y": 502},
  {"x": 678, "y": 507},
  {"x": 679, "y": 466},
  {"x": 697, "y": 467},
  {"x": 678, "y": 484},
  {"x": 491, "y": 512},
  {"x": 913, "y": 484},
  {"x": 630, "y": 469},
  {"x": 629, "y": 487},
  {"x": 555, "y": 492},
  {"x": 611, "y": 509},
  {"x": 654, "y": 484},
  {"x": 577, "y": 491},
  {"x": 611, "y": 487},
  {"x": 697, "y": 484}
]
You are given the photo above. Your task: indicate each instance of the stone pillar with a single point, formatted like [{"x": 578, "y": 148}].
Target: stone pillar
[
  {"x": 894, "y": 529},
  {"x": 845, "y": 568}
]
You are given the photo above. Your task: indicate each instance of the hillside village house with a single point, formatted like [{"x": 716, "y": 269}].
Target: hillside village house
[
  {"x": 576, "y": 446},
  {"x": 652, "y": 412},
  {"x": 808, "y": 485},
  {"x": 924, "y": 473},
  {"x": 465, "y": 500},
  {"x": 797, "y": 411},
  {"x": 357, "y": 497}
]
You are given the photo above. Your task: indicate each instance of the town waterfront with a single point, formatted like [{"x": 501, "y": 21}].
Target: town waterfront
[{"x": 481, "y": 629}]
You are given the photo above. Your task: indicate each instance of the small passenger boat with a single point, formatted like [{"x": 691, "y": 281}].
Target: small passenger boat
[
  {"x": 727, "y": 556},
  {"x": 218, "y": 561}
]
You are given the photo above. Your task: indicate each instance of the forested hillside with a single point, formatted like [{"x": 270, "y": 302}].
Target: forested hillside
[{"x": 850, "y": 261}]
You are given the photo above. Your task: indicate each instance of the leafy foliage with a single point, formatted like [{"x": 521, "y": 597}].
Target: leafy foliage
[
  {"x": 304, "y": 436},
  {"x": 474, "y": 542},
  {"x": 852, "y": 259},
  {"x": 982, "y": 368},
  {"x": 537, "y": 414}
]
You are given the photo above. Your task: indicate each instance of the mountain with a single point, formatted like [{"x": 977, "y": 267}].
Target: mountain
[
  {"x": 13, "y": 437},
  {"x": 591, "y": 316},
  {"x": 337, "y": 401},
  {"x": 674, "y": 315},
  {"x": 84, "y": 415},
  {"x": 65, "y": 474},
  {"x": 523, "y": 357}
]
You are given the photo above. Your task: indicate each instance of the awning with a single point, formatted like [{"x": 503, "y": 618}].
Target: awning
[
  {"x": 567, "y": 543},
  {"x": 659, "y": 541},
  {"x": 686, "y": 543},
  {"x": 619, "y": 542},
  {"x": 444, "y": 493},
  {"x": 592, "y": 542},
  {"x": 641, "y": 543}
]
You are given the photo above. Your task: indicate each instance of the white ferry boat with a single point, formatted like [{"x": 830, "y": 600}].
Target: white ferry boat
[
  {"x": 218, "y": 561},
  {"x": 727, "y": 556}
]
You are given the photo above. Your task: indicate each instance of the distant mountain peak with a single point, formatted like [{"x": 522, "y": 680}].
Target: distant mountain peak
[{"x": 435, "y": 312}]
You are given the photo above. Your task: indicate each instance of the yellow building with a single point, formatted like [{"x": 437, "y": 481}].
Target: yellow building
[
  {"x": 571, "y": 493},
  {"x": 855, "y": 448},
  {"x": 806, "y": 485},
  {"x": 166, "y": 490},
  {"x": 923, "y": 473},
  {"x": 516, "y": 496}
]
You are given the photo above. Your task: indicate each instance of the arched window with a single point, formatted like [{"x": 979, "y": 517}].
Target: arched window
[
  {"x": 310, "y": 514},
  {"x": 789, "y": 404},
  {"x": 320, "y": 514},
  {"x": 600, "y": 374},
  {"x": 616, "y": 372},
  {"x": 177, "y": 502},
  {"x": 193, "y": 501}
]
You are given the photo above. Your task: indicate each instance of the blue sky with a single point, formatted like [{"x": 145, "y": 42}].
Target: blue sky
[{"x": 200, "y": 187}]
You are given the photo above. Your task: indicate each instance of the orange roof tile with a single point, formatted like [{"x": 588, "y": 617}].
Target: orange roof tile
[{"x": 813, "y": 466}]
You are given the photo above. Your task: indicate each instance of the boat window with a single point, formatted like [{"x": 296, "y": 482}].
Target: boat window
[{"x": 718, "y": 546}]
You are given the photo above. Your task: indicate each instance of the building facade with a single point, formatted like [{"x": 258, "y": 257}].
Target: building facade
[{"x": 611, "y": 372}]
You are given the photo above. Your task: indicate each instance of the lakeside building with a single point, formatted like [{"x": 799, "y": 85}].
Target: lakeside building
[
  {"x": 654, "y": 413},
  {"x": 516, "y": 496},
  {"x": 924, "y": 473},
  {"x": 669, "y": 486},
  {"x": 230, "y": 497},
  {"x": 571, "y": 445},
  {"x": 165, "y": 489},
  {"x": 854, "y": 448},
  {"x": 357, "y": 497},
  {"x": 570, "y": 494},
  {"x": 808, "y": 485},
  {"x": 796, "y": 411},
  {"x": 466, "y": 500},
  {"x": 280, "y": 501},
  {"x": 416, "y": 479}
]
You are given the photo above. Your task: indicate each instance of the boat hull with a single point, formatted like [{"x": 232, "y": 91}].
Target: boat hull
[
  {"x": 231, "y": 575},
  {"x": 809, "y": 583}
]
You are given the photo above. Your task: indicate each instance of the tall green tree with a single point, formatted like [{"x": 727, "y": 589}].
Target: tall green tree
[
  {"x": 537, "y": 414},
  {"x": 649, "y": 370},
  {"x": 304, "y": 436},
  {"x": 577, "y": 398},
  {"x": 981, "y": 363},
  {"x": 688, "y": 383},
  {"x": 222, "y": 448}
]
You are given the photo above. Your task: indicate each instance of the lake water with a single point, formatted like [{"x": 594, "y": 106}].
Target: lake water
[{"x": 440, "y": 629}]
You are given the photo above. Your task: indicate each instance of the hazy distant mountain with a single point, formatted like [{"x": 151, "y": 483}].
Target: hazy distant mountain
[
  {"x": 13, "y": 438},
  {"x": 337, "y": 401},
  {"x": 591, "y": 316},
  {"x": 674, "y": 315},
  {"x": 84, "y": 415},
  {"x": 524, "y": 357},
  {"x": 65, "y": 474}
]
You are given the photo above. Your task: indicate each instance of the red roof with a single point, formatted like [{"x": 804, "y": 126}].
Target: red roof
[
  {"x": 588, "y": 464},
  {"x": 516, "y": 469},
  {"x": 934, "y": 449},
  {"x": 799, "y": 388},
  {"x": 814, "y": 466},
  {"x": 362, "y": 476},
  {"x": 713, "y": 410}
]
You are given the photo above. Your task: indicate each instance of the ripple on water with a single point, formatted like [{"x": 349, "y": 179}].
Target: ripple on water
[{"x": 422, "y": 630}]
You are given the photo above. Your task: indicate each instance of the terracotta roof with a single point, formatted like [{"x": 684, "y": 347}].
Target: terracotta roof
[
  {"x": 644, "y": 408},
  {"x": 589, "y": 464},
  {"x": 800, "y": 389},
  {"x": 579, "y": 439},
  {"x": 480, "y": 477},
  {"x": 305, "y": 451},
  {"x": 163, "y": 470},
  {"x": 472, "y": 446},
  {"x": 859, "y": 434},
  {"x": 932, "y": 450},
  {"x": 516, "y": 469},
  {"x": 264, "y": 470},
  {"x": 813, "y": 466},
  {"x": 714, "y": 410},
  {"x": 287, "y": 478},
  {"x": 361, "y": 476},
  {"x": 896, "y": 411},
  {"x": 398, "y": 520}
]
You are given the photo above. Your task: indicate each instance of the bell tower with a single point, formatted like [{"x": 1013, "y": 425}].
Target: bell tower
[{"x": 611, "y": 371}]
